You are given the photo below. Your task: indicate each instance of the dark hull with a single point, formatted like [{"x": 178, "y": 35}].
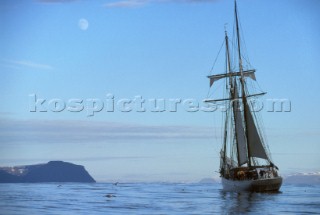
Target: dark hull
[{"x": 259, "y": 185}]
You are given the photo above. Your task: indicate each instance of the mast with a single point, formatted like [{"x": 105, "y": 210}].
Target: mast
[
  {"x": 244, "y": 100},
  {"x": 228, "y": 65},
  {"x": 238, "y": 38},
  {"x": 238, "y": 132},
  {"x": 228, "y": 57}
]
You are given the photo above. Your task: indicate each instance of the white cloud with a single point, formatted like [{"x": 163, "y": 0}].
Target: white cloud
[
  {"x": 77, "y": 131},
  {"x": 24, "y": 63},
  {"x": 55, "y": 1},
  {"x": 127, "y": 3},
  {"x": 137, "y": 3}
]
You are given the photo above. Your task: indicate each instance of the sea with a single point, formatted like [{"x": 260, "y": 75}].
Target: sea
[{"x": 153, "y": 198}]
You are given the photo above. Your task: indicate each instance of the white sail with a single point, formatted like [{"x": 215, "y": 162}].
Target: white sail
[
  {"x": 240, "y": 135},
  {"x": 254, "y": 140}
]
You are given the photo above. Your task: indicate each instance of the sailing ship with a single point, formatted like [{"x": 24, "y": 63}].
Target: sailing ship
[{"x": 245, "y": 160}]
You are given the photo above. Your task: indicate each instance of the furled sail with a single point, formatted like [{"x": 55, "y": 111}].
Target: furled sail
[
  {"x": 254, "y": 140},
  {"x": 240, "y": 135},
  {"x": 248, "y": 96},
  {"x": 248, "y": 73},
  {"x": 228, "y": 160}
]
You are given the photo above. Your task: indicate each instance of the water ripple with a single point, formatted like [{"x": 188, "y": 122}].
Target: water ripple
[{"x": 152, "y": 198}]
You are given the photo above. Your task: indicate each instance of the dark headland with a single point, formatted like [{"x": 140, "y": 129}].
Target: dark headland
[{"x": 53, "y": 171}]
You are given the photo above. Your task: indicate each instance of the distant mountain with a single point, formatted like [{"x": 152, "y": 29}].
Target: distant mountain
[
  {"x": 303, "y": 178},
  {"x": 53, "y": 171},
  {"x": 207, "y": 181}
]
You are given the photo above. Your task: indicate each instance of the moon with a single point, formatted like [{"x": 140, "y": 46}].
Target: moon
[{"x": 83, "y": 24}]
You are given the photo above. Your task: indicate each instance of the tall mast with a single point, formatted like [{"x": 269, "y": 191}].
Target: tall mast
[
  {"x": 230, "y": 94},
  {"x": 238, "y": 38},
  {"x": 228, "y": 57},
  {"x": 244, "y": 99},
  {"x": 233, "y": 95}
]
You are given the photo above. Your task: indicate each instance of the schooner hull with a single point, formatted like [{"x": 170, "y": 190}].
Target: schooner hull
[{"x": 259, "y": 185}]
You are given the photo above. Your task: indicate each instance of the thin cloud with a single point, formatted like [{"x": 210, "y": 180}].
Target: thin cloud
[
  {"x": 55, "y": 1},
  {"x": 191, "y": 1},
  {"x": 128, "y": 3},
  {"x": 6, "y": 113},
  {"x": 24, "y": 161},
  {"x": 73, "y": 131},
  {"x": 138, "y": 3},
  {"x": 24, "y": 63}
]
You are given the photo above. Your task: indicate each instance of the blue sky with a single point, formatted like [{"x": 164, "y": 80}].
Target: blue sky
[{"x": 153, "y": 49}]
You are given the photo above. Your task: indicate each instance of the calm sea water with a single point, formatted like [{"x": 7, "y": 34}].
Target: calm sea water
[{"x": 152, "y": 198}]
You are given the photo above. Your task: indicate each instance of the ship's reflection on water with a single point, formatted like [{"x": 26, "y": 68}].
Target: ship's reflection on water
[{"x": 244, "y": 202}]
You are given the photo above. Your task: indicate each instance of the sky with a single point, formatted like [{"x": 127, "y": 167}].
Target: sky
[{"x": 69, "y": 70}]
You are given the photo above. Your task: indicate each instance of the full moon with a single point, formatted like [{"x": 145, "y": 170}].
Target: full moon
[{"x": 83, "y": 24}]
